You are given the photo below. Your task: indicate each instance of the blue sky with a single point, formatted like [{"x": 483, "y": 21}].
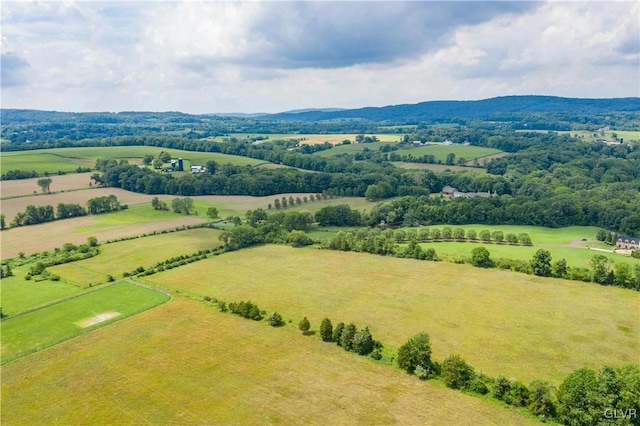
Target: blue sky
[{"x": 270, "y": 56}]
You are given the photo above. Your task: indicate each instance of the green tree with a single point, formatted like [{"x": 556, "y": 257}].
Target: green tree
[
  {"x": 472, "y": 235},
  {"x": 456, "y": 373},
  {"x": 541, "y": 401},
  {"x": 363, "y": 342},
  {"x": 623, "y": 275},
  {"x": 497, "y": 236},
  {"x": 212, "y": 212},
  {"x": 480, "y": 257},
  {"x": 326, "y": 330},
  {"x": 524, "y": 239},
  {"x": 577, "y": 398},
  {"x": 275, "y": 320},
  {"x": 276, "y": 204},
  {"x": 147, "y": 159},
  {"x": 601, "y": 235},
  {"x": 600, "y": 269},
  {"x": 337, "y": 333},
  {"x": 92, "y": 241},
  {"x": 299, "y": 238},
  {"x": 346, "y": 339},
  {"x": 559, "y": 269},
  {"x": 304, "y": 325},
  {"x": 541, "y": 263},
  {"x": 511, "y": 238},
  {"x": 416, "y": 351},
  {"x": 45, "y": 185},
  {"x": 3, "y": 223},
  {"x": 458, "y": 234},
  {"x": 485, "y": 235}
]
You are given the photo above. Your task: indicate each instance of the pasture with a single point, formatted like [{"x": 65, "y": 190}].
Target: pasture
[
  {"x": 54, "y": 323},
  {"x": 352, "y": 148},
  {"x": 59, "y": 183},
  {"x": 437, "y": 168},
  {"x": 68, "y": 159},
  {"x": 184, "y": 363},
  {"x": 501, "y": 322},
  {"x": 125, "y": 256},
  {"x": 440, "y": 151},
  {"x": 332, "y": 138},
  {"x": 19, "y": 294}
]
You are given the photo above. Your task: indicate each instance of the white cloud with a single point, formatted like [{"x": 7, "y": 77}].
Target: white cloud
[{"x": 273, "y": 56}]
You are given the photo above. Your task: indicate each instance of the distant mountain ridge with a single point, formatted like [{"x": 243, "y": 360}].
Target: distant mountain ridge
[{"x": 480, "y": 109}]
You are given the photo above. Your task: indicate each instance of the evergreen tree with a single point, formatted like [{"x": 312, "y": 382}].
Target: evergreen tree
[
  {"x": 304, "y": 325},
  {"x": 326, "y": 330},
  {"x": 337, "y": 333},
  {"x": 363, "y": 342},
  {"x": 346, "y": 339}
]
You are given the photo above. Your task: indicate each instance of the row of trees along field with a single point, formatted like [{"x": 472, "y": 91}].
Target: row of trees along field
[{"x": 42, "y": 214}]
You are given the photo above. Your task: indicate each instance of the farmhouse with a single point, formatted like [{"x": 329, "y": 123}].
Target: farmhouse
[
  {"x": 198, "y": 169},
  {"x": 627, "y": 243}
]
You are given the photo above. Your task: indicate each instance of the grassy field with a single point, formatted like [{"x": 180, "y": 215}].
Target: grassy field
[
  {"x": 440, "y": 151},
  {"x": 352, "y": 148},
  {"x": 19, "y": 294},
  {"x": 508, "y": 323},
  {"x": 125, "y": 256},
  {"x": 314, "y": 139},
  {"x": 590, "y": 136},
  {"x": 25, "y": 187},
  {"x": 43, "y": 327},
  {"x": 68, "y": 159},
  {"x": 183, "y": 363},
  {"x": 575, "y": 256},
  {"x": 438, "y": 167}
]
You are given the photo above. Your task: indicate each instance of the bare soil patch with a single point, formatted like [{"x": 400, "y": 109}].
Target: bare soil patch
[
  {"x": 47, "y": 236},
  {"x": 16, "y": 188},
  {"x": 96, "y": 319}
]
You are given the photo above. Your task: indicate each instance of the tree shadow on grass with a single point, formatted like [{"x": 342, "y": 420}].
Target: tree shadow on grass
[{"x": 308, "y": 333}]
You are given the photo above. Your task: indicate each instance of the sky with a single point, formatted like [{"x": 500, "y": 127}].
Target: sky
[{"x": 273, "y": 56}]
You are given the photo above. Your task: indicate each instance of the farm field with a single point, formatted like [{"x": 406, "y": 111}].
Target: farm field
[
  {"x": 627, "y": 135},
  {"x": 19, "y": 294},
  {"x": 59, "y": 183},
  {"x": 43, "y": 327},
  {"x": 125, "y": 256},
  {"x": 47, "y": 236},
  {"x": 68, "y": 159},
  {"x": 440, "y": 151},
  {"x": 438, "y": 167},
  {"x": 352, "y": 148},
  {"x": 127, "y": 373},
  {"x": 522, "y": 326},
  {"x": 575, "y": 256},
  {"x": 333, "y": 138}
]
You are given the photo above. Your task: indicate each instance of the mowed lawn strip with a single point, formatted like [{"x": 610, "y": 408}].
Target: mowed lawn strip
[
  {"x": 54, "y": 323},
  {"x": 509, "y": 323},
  {"x": 19, "y": 294},
  {"x": 184, "y": 363},
  {"x": 125, "y": 256}
]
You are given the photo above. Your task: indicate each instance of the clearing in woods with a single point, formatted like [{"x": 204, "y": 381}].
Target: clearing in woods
[
  {"x": 127, "y": 373},
  {"x": 508, "y": 323}
]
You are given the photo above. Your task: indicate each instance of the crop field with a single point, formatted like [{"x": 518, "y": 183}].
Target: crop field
[
  {"x": 68, "y": 159},
  {"x": 59, "y": 183},
  {"x": 332, "y": 138},
  {"x": 508, "y": 323},
  {"x": 125, "y": 256},
  {"x": 43, "y": 327},
  {"x": 184, "y": 363}
]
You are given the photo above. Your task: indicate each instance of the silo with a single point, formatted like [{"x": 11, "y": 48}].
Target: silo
[{"x": 180, "y": 165}]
